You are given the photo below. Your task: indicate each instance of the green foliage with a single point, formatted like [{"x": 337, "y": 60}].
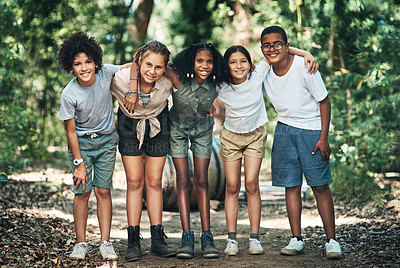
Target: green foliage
[
  {"x": 4, "y": 175},
  {"x": 355, "y": 43}
]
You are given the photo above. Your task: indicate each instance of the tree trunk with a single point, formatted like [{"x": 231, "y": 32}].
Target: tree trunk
[
  {"x": 141, "y": 18},
  {"x": 242, "y": 25}
]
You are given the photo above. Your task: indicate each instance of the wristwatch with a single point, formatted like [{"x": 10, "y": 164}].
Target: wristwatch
[{"x": 77, "y": 161}]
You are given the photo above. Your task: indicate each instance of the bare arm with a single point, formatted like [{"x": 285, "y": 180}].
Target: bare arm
[
  {"x": 131, "y": 97},
  {"x": 217, "y": 109},
  {"x": 126, "y": 65},
  {"x": 80, "y": 174},
  {"x": 171, "y": 75},
  {"x": 323, "y": 143},
  {"x": 308, "y": 58}
]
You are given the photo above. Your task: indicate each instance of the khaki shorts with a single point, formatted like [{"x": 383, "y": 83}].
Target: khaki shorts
[{"x": 235, "y": 145}]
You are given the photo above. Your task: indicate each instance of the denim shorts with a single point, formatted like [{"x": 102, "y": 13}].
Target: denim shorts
[
  {"x": 292, "y": 157},
  {"x": 98, "y": 153}
]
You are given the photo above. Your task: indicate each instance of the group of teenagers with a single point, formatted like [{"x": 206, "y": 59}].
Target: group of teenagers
[{"x": 200, "y": 81}]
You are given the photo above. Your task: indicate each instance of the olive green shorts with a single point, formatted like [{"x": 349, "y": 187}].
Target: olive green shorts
[
  {"x": 199, "y": 135},
  {"x": 98, "y": 154},
  {"x": 235, "y": 145}
]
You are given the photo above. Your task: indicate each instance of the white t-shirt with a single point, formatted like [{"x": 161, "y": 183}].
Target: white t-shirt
[
  {"x": 296, "y": 95},
  {"x": 244, "y": 103},
  {"x": 91, "y": 106}
]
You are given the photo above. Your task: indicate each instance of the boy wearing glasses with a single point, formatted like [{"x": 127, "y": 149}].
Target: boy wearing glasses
[{"x": 303, "y": 106}]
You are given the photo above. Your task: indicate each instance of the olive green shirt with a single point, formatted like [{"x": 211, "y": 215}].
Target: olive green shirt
[{"x": 192, "y": 102}]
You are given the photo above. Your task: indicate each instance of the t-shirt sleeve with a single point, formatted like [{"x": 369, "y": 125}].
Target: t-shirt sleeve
[
  {"x": 67, "y": 107},
  {"x": 260, "y": 72},
  {"x": 316, "y": 85},
  {"x": 111, "y": 69}
]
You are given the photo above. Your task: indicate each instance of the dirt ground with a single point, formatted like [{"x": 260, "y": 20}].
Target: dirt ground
[{"x": 36, "y": 230}]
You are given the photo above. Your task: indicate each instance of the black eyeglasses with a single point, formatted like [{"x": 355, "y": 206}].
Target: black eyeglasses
[{"x": 276, "y": 46}]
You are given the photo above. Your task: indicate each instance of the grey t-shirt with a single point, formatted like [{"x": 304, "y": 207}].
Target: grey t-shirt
[{"x": 91, "y": 106}]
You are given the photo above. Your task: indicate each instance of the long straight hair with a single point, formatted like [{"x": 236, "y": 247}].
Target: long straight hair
[{"x": 229, "y": 52}]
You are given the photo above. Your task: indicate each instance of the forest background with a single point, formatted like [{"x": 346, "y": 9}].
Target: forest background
[{"x": 355, "y": 42}]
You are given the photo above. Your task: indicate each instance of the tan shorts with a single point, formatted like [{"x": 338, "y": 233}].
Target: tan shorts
[{"x": 235, "y": 145}]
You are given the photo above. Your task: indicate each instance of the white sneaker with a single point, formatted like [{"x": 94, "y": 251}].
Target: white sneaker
[
  {"x": 255, "y": 247},
  {"x": 107, "y": 251},
  {"x": 294, "y": 247},
  {"x": 333, "y": 250},
  {"x": 231, "y": 248},
  {"x": 79, "y": 251}
]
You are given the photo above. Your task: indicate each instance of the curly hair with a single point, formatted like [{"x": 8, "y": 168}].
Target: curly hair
[
  {"x": 229, "y": 52},
  {"x": 183, "y": 64},
  {"x": 79, "y": 43},
  {"x": 153, "y": 46}
]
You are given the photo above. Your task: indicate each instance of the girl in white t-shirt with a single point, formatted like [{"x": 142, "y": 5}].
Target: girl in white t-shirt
[{"x": 244, "y": 136}]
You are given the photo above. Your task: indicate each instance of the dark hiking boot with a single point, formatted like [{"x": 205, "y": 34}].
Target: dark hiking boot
[
  {"x": 158, "y": 244},
  {"x": 134, "y": 252},
  {"x": 207, "y": 246},
  {"x": 186, "y": 246}
]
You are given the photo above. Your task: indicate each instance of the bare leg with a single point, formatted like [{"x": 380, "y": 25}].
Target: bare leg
[
  {"x": 134, "y": 171},
  {"x": 293, "y": 208},
  {"x": 325, "y": 208},
  {"x": 104, "y": 212},
  {"x": 203, "y": 196},
  {"x": 81, "y": 215},
  {"x": 252, "y": 170},
  {"x": 233, "y": 175},
  {"x": 183, "y": 186},
  {"x": 153, "y": 174}
]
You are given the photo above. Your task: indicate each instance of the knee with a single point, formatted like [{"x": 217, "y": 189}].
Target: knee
[
  {"x": 252, "y": 187},
  {"x": 232, "y": 189},
  {"x": 134, "y": 183},
  {"x": 153, "y": 183},
  {"x": 83, "y": 196},
  {"x": 323, "y": 189},
  {"x": 102, "y": 193},
  {"x": 201, "y": 182},
  {"x": 182, "y": 183}
]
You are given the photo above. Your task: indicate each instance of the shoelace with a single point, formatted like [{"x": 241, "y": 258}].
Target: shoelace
[
  {"x": 186, "y": 241},
  {"x": 92, "y": 134},
  {"x": 207, "y": 240},
  {"x": 135, "y": 241},
  {"x": 108, "y": 247},
  {"x": 256, "y": 242},
  {"x": 231, "y": 244},
  {"x": 80, "y": 248}
]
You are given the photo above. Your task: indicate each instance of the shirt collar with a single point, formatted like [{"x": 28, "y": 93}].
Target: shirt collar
[{"x": 207, "y": 85}]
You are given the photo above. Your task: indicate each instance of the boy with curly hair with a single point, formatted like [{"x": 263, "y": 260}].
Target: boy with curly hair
[{"x": 88, "y": 118}]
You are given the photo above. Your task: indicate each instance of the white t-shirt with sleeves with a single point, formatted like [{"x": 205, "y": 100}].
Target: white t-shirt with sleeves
[
  {"x": 244, "y": 103},
  {"x": 296, "y": 95},
  {"x": 91, "y": 106}
]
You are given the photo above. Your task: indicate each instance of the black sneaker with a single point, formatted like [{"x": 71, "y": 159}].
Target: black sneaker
[
  {"x": 207, "y": 246},
  {"x": 186, "y": 246}
]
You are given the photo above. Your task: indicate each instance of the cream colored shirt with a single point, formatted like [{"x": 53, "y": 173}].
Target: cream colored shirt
[{"x": 158, "y": 100}]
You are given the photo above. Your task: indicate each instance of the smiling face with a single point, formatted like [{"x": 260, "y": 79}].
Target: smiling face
[
  {"x": 84, "y": 69},
  {"x": 203, "y": 65},
  {"x": 239, "y": 67},
  {"x": 152, "y": 67},
  {"x": 274, "y": 56}
]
